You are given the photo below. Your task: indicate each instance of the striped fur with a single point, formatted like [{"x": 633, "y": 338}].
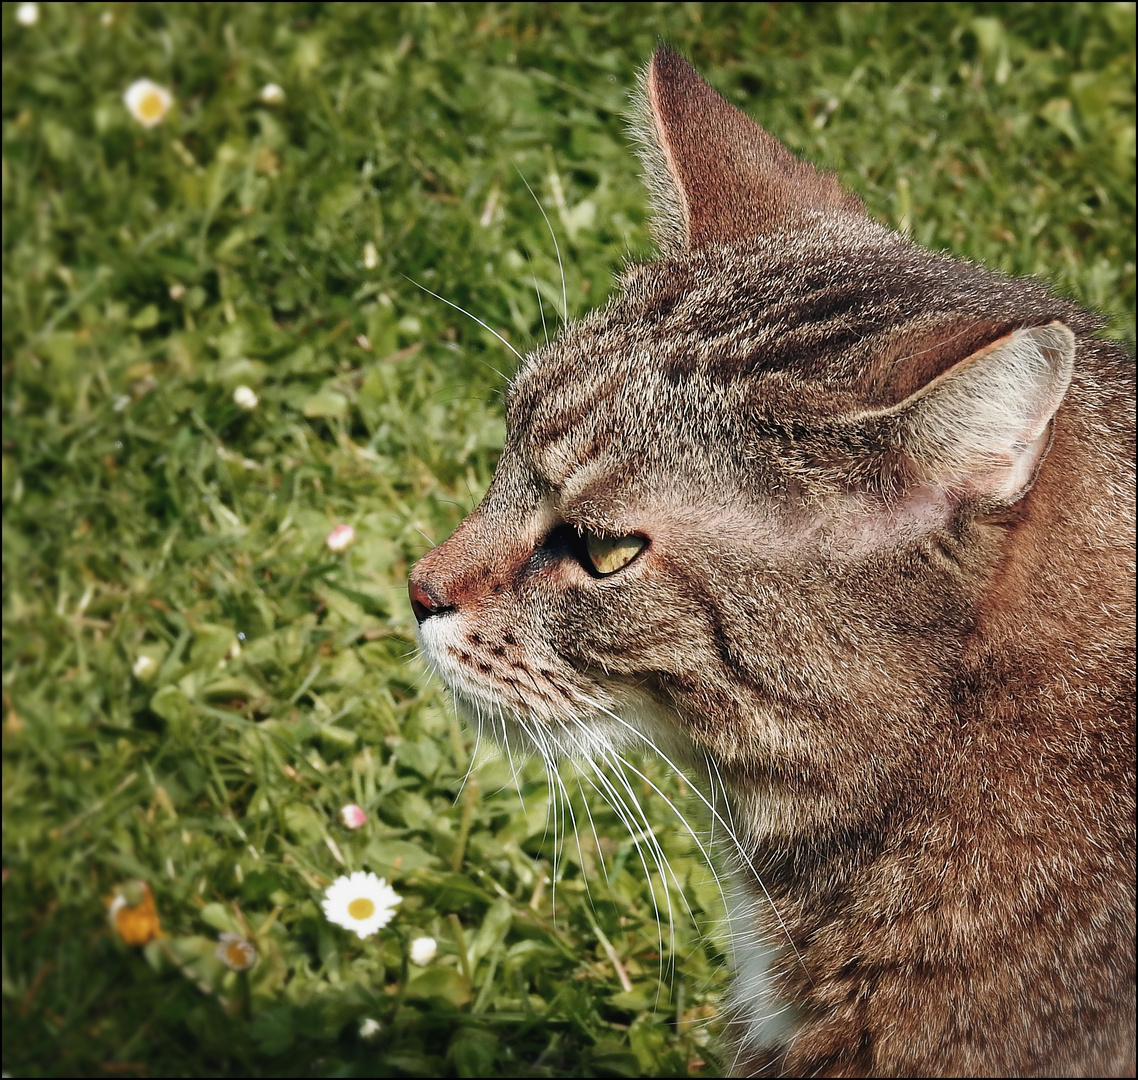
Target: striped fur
[{"x": 887, "y": 599}]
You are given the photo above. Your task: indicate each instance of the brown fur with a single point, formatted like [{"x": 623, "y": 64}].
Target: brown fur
[{"x": 887, "y": 594}]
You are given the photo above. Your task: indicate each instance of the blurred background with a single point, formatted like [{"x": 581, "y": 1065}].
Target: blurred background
[{"x": 234, "y": 414}]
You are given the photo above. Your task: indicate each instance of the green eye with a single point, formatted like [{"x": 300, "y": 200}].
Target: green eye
[{"x": 608, "y": 554}]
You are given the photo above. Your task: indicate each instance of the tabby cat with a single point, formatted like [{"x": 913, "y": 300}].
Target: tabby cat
[{"x": 848, "y": 526}]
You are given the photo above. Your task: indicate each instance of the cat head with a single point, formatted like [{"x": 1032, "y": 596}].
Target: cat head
[{"x": 745, "y": 510}]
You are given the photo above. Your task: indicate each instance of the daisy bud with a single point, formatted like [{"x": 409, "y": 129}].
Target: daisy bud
[
  {"x": 271, "y": 94},
  {"x": 370, "y": 1028},
  {"x": 28, "y": 14},
  {"x": 423, "y": 950},
  {"x": 371, "y": 256},
  {"x": 143, "y": 667},
  {"x": 352, "y": 816},
  {"x": 340, "y": 538},
  {"x": 245, "y": 397}
]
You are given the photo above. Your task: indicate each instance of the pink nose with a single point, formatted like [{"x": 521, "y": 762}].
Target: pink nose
[{"x": 422, "y": 603}]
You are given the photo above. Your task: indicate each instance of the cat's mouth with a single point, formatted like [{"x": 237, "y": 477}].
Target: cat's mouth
[
  {"x": 495, "y": 676},
  {"x": 521, "y": 698}
]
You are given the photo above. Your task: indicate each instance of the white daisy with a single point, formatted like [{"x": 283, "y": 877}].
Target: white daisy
[
  {"x": 361, "y": 902},
  {"x": 235, "y": 952},
  {"x": 28, "y": 14},
  {"x": 271, "y": 94},
  {"x": 147, "y": 102}
]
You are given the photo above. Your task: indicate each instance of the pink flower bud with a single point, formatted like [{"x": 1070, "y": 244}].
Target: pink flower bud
[
  {"x": 340, "y": 538},
  {"x": 352, "y": 816}
]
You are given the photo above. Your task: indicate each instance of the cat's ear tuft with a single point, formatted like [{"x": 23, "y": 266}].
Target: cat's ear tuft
[
  {"x": 982, "y": 428},
  {"x": 713, "y": 175}
]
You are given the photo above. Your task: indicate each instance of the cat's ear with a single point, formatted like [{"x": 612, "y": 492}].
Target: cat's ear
[
  {"x": 713, "y": 174},
  {"x": 982, "y": 428}
]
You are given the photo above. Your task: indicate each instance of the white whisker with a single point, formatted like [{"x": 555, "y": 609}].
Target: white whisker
[
  {"x": 576, "y": 834},
  {"x": 593, "y": 828},
  {"x": 626, "y": 811},
  {"x": 476, "y": 319},
  {"x": 514, "y": 767},
  {"x": 699, "y": 794},
  {"x": 556, "y": 248},
  {"x": 540, "y": 307},
  {"x": 474, "y": 752}
]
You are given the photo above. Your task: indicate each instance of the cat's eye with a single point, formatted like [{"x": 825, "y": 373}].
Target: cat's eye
[{"x": 608, "y": 554}]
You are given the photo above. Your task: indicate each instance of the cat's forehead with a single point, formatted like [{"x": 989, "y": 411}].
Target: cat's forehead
[
  {"x": 711, "y": 350},
  {"x": 602, "y": 424},
  {"x": 732, "y": 360}
]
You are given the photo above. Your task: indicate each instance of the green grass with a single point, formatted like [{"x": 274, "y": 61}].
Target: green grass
[{"x": 148, "y": 273}]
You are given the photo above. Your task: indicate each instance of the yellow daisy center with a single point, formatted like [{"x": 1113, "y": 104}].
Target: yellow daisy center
[
  {"x": 361, "y": 908},
  {"x": 236, "y": 953},
  {"x": 151, "y": 107}
]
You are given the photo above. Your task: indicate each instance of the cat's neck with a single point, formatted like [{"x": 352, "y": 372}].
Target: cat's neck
[{"x": 931, "y": 909}]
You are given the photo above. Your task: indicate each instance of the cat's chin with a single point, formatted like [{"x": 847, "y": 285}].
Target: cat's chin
[
  {"x": 516, "y": 732},
  {"x": 602, "y": 734}
]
